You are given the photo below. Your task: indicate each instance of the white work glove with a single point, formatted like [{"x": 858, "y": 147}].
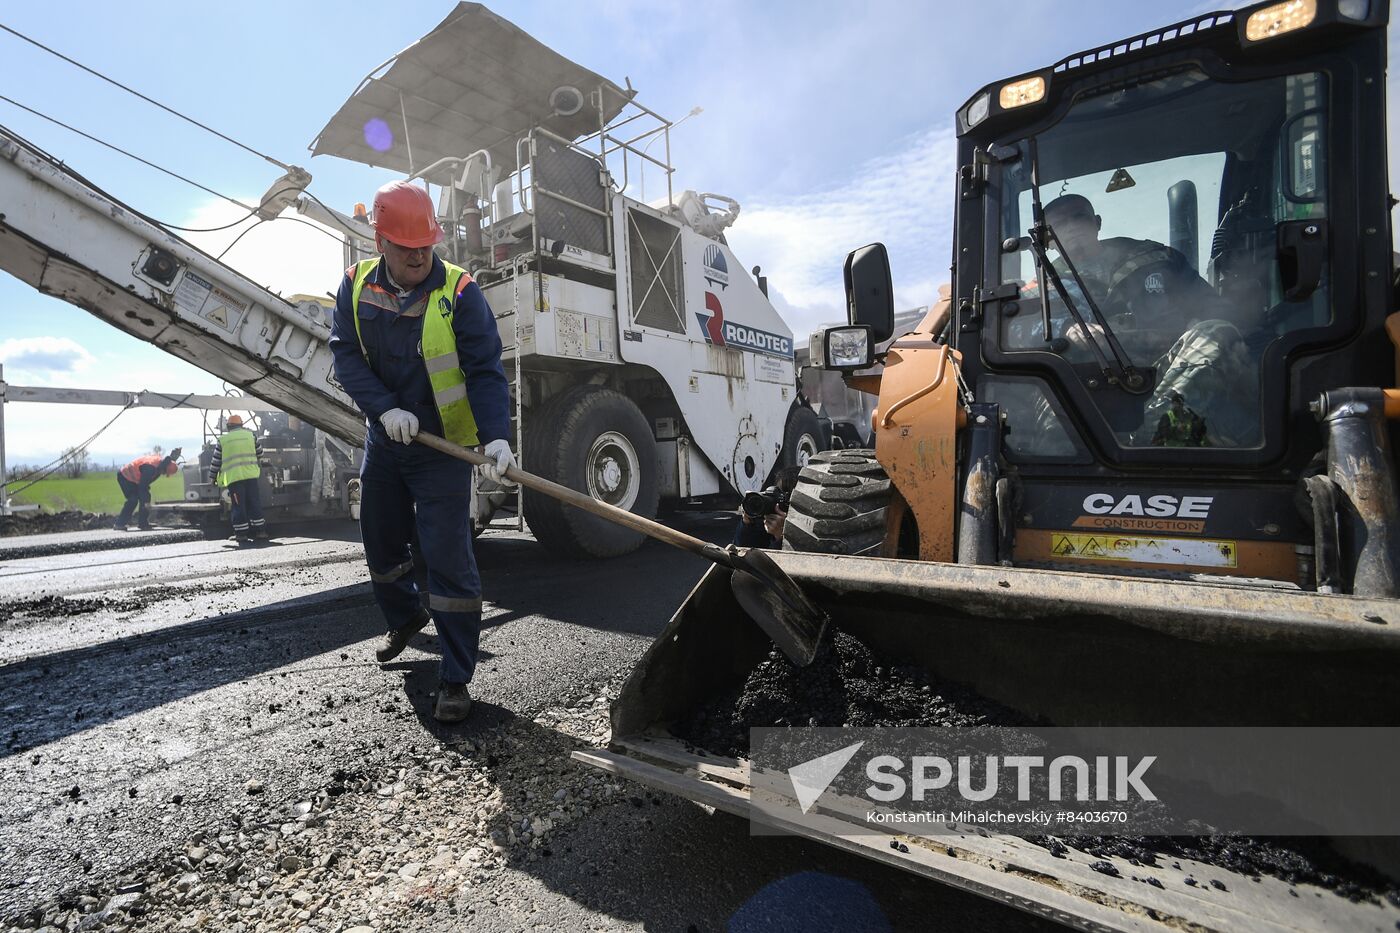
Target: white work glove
[
  {"x": 499, "y": 451},
  {"x": 400, "y": 425}
]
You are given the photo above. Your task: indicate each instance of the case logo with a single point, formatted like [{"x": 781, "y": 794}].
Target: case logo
[
  {"x": 1157, "y": 514},
  {"x": 1101, "y": 503}
]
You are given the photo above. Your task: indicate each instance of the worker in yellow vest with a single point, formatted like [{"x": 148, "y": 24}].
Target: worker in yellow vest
[
  {"x": 235, "y": 466},
  {"x": 1180, "y": 426},
  {"x": 135, "y": 480},
  {"x": 416, "y": 345}
]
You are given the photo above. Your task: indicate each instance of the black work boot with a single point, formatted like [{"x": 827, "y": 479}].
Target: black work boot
[
  {"x": 454, "y": 702},
  {"x": 396, "y": 639}
]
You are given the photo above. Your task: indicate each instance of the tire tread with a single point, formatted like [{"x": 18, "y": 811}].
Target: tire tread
[
  {"x": 563, "y": 529},
  {"x": 839, "y": 504}
]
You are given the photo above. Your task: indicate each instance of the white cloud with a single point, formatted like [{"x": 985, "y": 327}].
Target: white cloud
[
  {"x": 903, "y": 200},
  {"x": 42, "y": 359},
  {"x": 290, "y": 255}
]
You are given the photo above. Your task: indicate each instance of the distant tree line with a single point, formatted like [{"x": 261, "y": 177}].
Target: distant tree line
[{"x": 74, "y": 463}]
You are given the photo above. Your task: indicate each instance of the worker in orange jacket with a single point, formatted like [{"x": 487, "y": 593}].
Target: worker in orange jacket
[{"x": 135, "y": 480}]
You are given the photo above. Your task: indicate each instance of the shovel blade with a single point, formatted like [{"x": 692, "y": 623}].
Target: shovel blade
[{"x": 778, "y": 605}]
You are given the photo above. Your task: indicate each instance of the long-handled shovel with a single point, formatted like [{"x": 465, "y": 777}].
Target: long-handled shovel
[{"x": 765, "y": 592}]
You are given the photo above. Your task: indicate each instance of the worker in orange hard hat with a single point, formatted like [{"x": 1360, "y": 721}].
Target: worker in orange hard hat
[
  {"x": 135, "y": 480},
  {"x": 416, "y": 345}
]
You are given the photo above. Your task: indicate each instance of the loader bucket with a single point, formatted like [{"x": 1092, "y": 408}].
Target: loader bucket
[{"x": 1071, "y": 649}]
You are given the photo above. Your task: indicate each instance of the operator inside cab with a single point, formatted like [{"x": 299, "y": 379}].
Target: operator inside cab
[
  {"x": 1165, "y": 316},
  {"x": 1128, "y": 276}
]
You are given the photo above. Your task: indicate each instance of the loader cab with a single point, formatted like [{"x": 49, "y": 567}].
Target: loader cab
[
  {"x": 1193, "y": 261},
  {"x": 1167, "y": 249},
  {"x": 1205, "y": 233}
]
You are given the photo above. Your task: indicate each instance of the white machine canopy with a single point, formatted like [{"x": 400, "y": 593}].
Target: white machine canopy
[{"x": 474, "y": 82}]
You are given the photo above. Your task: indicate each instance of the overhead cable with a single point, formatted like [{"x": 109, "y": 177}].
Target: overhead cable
[
  {"x": 129, "y": 90},
  {"x": 131, "y": 155}
]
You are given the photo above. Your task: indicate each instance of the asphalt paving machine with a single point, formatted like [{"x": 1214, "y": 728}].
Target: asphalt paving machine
[
  {"x": 1137, "y": 469},
  {"x": 646, "y": 363}
]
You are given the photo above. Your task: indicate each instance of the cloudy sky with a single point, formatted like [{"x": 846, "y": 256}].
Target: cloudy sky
[{"x": 830, "y": 122}]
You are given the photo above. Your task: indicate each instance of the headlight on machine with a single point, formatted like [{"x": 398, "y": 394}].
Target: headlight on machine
[
  {"x": 1279, "y": 18},
  {"x": 849, "y": 347},
  {"x": 977, "y": 111},
  {"x": 1020, "y": 93}
]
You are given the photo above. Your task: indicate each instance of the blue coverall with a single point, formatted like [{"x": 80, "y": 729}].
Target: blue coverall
[{"x": 400, "y": 481}]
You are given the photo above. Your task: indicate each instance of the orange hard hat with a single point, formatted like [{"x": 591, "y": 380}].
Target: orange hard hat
[
  {"x": 234, "y": 420},
  {"x": 404, "y": 214}
]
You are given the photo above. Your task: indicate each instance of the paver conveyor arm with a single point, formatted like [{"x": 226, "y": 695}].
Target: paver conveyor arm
[{"x": 69, "y": 239}]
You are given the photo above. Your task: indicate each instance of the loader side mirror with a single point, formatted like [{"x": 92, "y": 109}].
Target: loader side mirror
[{"x": 869, "y": 291}]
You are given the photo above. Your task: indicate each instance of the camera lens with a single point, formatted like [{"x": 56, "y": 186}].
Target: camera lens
[{"x": 756, "y": 504}]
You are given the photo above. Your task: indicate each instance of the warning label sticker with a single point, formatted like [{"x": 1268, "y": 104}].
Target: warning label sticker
[
  {"x": 223, "y": 309},
  {"x": 772, "y": 369},
  {"x": 191, "y": 293},
  {"x": 196, "y": 297},
  {"x": 1186, "y": 552},
  {"x": 587, "y": 336}
]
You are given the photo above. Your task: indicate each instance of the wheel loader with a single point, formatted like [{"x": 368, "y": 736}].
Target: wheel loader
[{"x": 1136, "y": 468}]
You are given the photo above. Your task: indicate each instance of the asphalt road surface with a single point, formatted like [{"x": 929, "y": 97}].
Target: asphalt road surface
[{"x": 197, "y": 736}]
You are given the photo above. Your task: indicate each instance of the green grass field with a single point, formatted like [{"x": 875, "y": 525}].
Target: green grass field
[{"x": 95, "y": 492}]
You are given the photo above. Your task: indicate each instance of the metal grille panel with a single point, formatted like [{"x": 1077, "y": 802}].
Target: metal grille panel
[
  {"x": 654, "y": 260},
  {"x": 576, "y": 176}
]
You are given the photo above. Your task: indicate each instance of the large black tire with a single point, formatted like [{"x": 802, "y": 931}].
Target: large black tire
[
  {"x": 839, "y": 504},
  {"x": 581, "y": 424},
  {"x": 802, "y": 437}
]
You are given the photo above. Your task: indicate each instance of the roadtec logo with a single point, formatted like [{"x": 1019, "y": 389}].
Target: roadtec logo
[
  {"x": 716, "y": 267},
  {"x": 724, "y": 333}
]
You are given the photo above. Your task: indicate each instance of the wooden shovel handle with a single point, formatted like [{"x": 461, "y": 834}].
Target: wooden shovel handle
[{"x": 577, "y": 499}]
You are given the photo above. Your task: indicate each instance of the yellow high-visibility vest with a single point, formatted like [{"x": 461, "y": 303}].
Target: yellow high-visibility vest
[
  {"x": 439, "y": 351},
  {"x": 238, "y": 456}
]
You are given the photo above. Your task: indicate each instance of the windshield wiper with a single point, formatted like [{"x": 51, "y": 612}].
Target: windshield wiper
[{"x": 1121, "y": 371}]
